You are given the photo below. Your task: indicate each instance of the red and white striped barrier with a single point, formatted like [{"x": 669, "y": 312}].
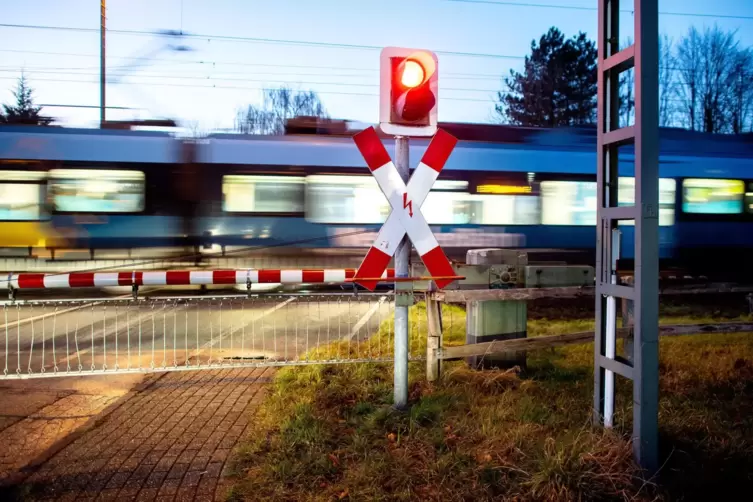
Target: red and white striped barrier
[
  {"x": 183, "y": 278},
  {"x": 406, "y": 202}
]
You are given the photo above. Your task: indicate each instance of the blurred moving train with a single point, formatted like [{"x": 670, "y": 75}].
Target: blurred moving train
[{"x": 502, "y": 187}]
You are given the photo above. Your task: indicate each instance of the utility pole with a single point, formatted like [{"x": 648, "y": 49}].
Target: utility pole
[{"x": 102, "y": 28}]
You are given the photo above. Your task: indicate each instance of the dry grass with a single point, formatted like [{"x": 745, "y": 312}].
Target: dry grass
[{"x": 329, "y": 432}]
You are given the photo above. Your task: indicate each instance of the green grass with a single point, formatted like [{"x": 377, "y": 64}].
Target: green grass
[{"x": 329, "y": 432}]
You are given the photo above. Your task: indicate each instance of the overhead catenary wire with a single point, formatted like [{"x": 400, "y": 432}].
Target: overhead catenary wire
[
  {"x": 585, "y": 8},
  {"x": 198, "y": 74},
  {"x": 237, "y": 38},
  {"x": 223, "y": 79},
  {"x": 196, "y": 86}
]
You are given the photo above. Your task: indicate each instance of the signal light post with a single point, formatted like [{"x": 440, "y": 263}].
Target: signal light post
[{"x": 408, "y": 107}]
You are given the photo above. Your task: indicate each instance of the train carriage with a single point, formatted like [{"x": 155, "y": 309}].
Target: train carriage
[{"x": 120, "y": 191}]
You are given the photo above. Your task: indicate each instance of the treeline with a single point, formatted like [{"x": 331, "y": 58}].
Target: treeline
[{"x": 705, "y": 83}]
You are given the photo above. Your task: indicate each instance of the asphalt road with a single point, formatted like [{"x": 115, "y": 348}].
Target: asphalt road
[{"x": 95, "y": 335}]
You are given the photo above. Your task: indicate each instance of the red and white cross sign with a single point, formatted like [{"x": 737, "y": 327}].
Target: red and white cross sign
[{"x": 406, "y": 202}]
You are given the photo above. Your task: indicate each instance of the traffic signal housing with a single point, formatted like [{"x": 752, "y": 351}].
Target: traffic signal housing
[{"x": 408, "y": 92}]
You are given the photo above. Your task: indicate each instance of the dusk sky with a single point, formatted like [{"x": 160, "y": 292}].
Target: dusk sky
[{"x": 240, "y": 47}]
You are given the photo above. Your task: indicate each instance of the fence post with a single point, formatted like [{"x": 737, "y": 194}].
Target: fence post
[{"x": 434, "y": 338}]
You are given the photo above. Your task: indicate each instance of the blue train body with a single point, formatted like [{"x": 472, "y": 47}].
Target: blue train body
[{"x": 510, "y": 187}]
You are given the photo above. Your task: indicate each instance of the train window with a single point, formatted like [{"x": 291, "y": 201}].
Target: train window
[
  {"x": 97, "y": 190},
  {"x": 345, "y": 199},
  {"x": 712, "y": 196},
  {"x": 568, "y": 203},
  {"x": 449, "y": 185},
  {"x": 262, "y": 194},
  {"x": 667, "y": 189},
  {"x": 22, "y": 200},
  {"x": 749, "y": 198},
  {"x": 507, "y": 210},
  {"x": 358, "y": 200}
]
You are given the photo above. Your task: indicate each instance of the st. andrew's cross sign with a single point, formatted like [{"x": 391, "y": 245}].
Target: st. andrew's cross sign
[{"x": 405, "y": 201}]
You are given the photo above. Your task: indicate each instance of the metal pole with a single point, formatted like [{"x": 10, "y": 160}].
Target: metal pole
[
  {"x": 642, "y": 366},
  {"x": 402, "y": 267},
  {"x": 646, "y": 364},
  {"x": 102, "y": 29}
]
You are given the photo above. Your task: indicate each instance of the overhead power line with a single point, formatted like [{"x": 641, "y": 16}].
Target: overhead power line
[
  {"x": 87, "y": 106},
  {"x": 196, "y": 86},
  {"x": 234, "y": 38},
  {"x": 582, "y": 8},
  {"x": 223, "y": 79},
  {"x": 65, "y": 69}
]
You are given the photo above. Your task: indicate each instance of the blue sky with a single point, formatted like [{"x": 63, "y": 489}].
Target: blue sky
[{"x": 207, "y": 85}]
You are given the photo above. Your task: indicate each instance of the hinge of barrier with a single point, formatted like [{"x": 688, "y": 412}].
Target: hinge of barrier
[
  {"x": 11, "y": 289},
  {"x": 404, "y": 293}
]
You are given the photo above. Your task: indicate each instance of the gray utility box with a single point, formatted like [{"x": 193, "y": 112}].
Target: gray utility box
[
  {"x": 487, "y": 321},
  {"x": 552, "y": 276}
]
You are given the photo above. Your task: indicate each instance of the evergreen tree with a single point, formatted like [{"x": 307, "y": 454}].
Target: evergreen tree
[
  {"x": 24, "y": 111},
  {"x": 557, "y": 86}
]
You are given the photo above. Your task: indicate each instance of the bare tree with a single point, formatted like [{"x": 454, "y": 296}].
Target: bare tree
[
  {"x": 278, "y": 106},
  {"x": 667, "y": 81},
  {"x": 690, "y": 61},
  {"x": 708, "y": 71},
  {"x": 741, "y": 92},
  {"x": 627, "y": 91}
]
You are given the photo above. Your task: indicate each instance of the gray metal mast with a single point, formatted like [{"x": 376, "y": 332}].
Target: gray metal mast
[{"x": 642, "y": 365}]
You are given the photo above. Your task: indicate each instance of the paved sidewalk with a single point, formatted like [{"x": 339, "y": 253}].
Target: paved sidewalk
[
  {"x": 169, "y": 441},
  {"x": 37, "y": 415}
]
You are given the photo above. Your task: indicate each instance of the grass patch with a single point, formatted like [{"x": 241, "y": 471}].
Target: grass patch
[{"x": 329, "y": 432}]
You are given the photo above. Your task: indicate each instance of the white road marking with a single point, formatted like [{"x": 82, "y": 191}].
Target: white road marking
[
  {"x": 363, "y": 320},
  {"x": 212, "y": 343}
]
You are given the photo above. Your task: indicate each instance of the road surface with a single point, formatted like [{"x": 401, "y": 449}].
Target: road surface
[{"x": 73, "y": 336}]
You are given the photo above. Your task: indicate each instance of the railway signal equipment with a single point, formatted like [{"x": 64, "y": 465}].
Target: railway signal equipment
[
  {"x": 405, "y": 200},
  {"x": 409, "y": 94}
]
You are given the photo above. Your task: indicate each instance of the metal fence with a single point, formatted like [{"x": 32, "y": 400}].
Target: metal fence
[{"x": 45, "y": 338}]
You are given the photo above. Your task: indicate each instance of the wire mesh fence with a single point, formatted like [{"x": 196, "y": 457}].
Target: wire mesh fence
[{"x": 107, "y": 335}]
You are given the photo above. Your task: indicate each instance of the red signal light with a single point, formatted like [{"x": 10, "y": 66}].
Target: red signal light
[
  {"x": 409, "y": 92},
  {"x": 411, "y": 73}
]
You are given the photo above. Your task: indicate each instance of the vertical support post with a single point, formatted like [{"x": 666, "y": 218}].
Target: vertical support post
[
  {"x": 434, "y": 338},
  {"x": 646, "y": 384},
  {"x": 102, "y": 29},
  {"x": 644, "y": 294},
  {"x": 610, "y": 341},
  {"x": 402, "y": 268}
]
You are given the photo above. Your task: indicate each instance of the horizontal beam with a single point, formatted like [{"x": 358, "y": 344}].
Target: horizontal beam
[
  {"x": 621, "y": 369},
  {"x": 616, "y": 290},
  {"x": 480, "y": 295},
  {"x": 623, "y": 60},
  {"x": 619, "y": 137},
  {"x": 618, "y": 213},
  {"x": 543, "y": 342},
  {"x": 515, "y": 345}
]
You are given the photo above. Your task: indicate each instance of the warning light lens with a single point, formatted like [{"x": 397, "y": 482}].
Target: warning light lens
[{"x": 413, "y": 74}]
